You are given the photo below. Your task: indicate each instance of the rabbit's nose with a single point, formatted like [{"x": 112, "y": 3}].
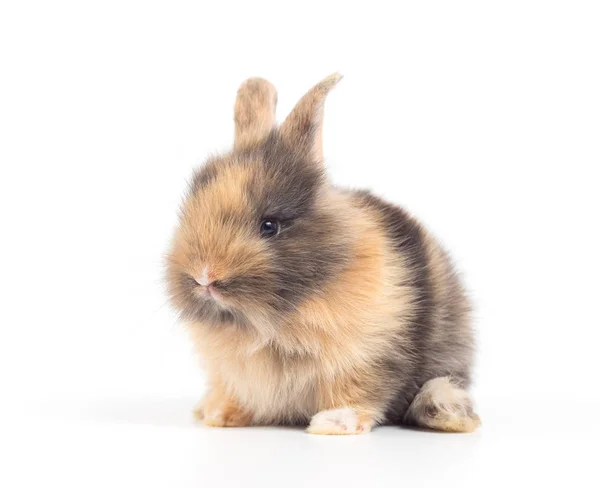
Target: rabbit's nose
[{"x": 204, "y": 279}]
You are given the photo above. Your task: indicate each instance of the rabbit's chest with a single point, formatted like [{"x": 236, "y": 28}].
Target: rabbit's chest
[{"x": 273, "y": 390}]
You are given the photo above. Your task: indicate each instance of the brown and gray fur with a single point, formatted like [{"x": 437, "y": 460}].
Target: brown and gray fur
[{"x": 351, "y": 316}]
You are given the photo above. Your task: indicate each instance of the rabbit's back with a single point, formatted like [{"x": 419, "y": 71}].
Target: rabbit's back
[{"x": 437, "y": 328}]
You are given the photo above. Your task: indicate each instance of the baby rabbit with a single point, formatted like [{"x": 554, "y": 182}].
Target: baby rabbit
[{"x": 312, "y": 305}]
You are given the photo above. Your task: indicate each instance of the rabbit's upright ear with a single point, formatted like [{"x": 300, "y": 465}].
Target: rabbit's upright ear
[
  {"x": 303, "y": 127},
  {"x": 254, "y": 112}
]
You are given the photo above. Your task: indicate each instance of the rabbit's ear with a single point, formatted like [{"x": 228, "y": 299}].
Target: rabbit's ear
[
  {"x": 304, "y": 125},
  {"x": 254, "y": 112}
]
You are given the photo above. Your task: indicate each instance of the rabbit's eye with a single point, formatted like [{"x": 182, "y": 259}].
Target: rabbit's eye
[{"x": 269, "y": 228}]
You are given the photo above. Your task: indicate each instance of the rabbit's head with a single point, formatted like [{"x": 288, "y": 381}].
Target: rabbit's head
[{"x": 258, "y": 232}]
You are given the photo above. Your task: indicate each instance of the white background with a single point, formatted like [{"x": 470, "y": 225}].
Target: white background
[{"x": 481, "y": 118}]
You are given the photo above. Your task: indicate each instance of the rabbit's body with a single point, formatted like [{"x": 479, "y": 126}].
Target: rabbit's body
[{"x": 350, "y": 315}]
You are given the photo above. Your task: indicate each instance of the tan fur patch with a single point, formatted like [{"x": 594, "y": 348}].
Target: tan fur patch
[{"x": 214, "y": 217}]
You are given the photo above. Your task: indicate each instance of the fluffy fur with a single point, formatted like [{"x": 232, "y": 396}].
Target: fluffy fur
[{"x": 350, "y": 316}]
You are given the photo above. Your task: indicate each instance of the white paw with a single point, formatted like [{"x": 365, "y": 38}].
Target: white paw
[{"x": 339, "y": 421}]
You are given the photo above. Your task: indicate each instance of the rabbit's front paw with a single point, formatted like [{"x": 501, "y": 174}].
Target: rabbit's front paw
[
  {"x": 339, "y": 421},
  {"x": 221, "y": 411}
]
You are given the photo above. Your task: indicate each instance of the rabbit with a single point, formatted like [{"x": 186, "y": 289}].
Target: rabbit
[{"x": 312, "y": 305}]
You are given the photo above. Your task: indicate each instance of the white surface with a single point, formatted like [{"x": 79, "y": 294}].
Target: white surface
[
  {"x": 480, "y": 117},
  {"x": 153, "y": 442}
]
